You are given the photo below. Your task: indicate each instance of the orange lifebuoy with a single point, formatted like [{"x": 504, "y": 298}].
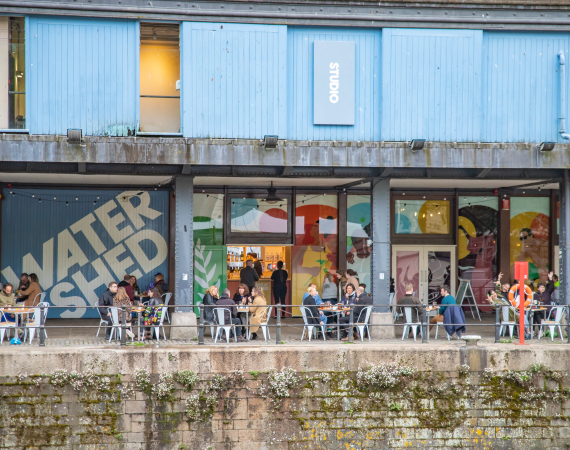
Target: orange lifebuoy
[{"x": 514, "y": 289}]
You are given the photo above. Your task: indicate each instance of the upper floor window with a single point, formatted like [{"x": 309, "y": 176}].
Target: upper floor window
[
  {"x": 159, "y": 78},
  {"x": 13, "y": 93}
]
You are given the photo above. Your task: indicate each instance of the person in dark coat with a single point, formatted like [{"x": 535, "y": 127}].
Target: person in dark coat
[
  {"x": 410, "y": 300},
  {"x": 126, "y": 283},
  {"x": 279, "y": 278},
  {"x": 243, "y": 297},
  {"x": 313, "y": 316},
  {"x": 248, "y": 275},
  {"x": 364, "y": 300},
  {"x": 104, "y": 302},
  {"x": 230, "y": 313},
  {"x": 209, "y": 300},
  {"x": 454, "y": 320},
  {"x": 543, "y": 295},
  {"x": 24, "y": 285}
]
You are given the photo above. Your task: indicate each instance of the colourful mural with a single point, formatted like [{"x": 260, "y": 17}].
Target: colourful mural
[
  {"x": 253, "y": 215},
  {"x": 530, "y": 235},
  {"x": 477, "y": 243},
  {"x": 358, "y": 236},
  {"x": 421, "y": 216},
  {"x": 316, "y": 243},
  {"x": 208, "y": 219}
]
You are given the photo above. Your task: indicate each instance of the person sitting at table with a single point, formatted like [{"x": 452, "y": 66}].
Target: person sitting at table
[
  {"x": 363, "y": 302},
  {"x": 330, "y": 290},
  {"x": 314, "y": 316},
  {"x": 24, "y": 284},
  {"x": 258, "y": 310},
  {"x": 103, "y": 304},
  {"x": 154, "y": 301},
  {"x": 209, "y": 301},
  {"x": 243, "y": 297},
  {"x": 349, "y": 298},
  {"x": 122, "y": 299},
  {"x": 126, "y": 285},
  {"x": 497, "y": 301},
  {"x": 447, "y": 299},
  {"x": 158, "y": 283},
  {"x": 310, "y": 298},
  {"x": 32, "y": 291},
  {"x": 363, "y": 286},
  {"x": 318, "y": 300},
  {"x": 7, "y": 299},
  {"x": 133, "y": 283},
  {"x": 409, "y": 299},
  {"x": 230, "y": 313}
]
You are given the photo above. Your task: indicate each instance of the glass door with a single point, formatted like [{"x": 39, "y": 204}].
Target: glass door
[{"x": 426, "y": 267}]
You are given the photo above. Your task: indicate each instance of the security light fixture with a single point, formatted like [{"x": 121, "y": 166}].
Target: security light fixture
[
  {"x": 270, "y": 141},
  {"x": 417, "y": 144},
  {"x": 74, "y": 136},
  {"x": 546, "y": 146},
  {"x": 272, "y": 195}
]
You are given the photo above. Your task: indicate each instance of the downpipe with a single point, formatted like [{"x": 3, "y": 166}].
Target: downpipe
[{"x": 562, "y": 115}]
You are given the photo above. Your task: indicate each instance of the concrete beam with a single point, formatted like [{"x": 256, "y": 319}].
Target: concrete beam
[{"x": 342, "y": 156}]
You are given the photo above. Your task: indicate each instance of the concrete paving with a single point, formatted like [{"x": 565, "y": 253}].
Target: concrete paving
[{"x": 82, "y": 332}]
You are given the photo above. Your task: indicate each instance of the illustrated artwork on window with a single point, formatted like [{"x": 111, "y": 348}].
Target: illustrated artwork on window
[
  {"x": 159, "y": 77},
  {"x": 358, "y": 236},
  {"x": 421, "y": 217},
  {"x": 530, "y": 235},
  {"x": 13, "y": 115},
  {"x": 477, "y": 244},
  {"x": 208, "y": 219},
  {"x": 256, "y": 215}
]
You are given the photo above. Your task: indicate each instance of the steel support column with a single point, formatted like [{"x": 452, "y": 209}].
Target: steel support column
[
  {"x": 380, "y": 268},
  {"x": 184, "y": 253},
  {"x": 564, "y": 243}
]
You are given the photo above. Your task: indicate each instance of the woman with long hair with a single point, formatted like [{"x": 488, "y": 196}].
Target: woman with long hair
[
  {"x": 258, "y": 310},
  {"x": 122, "y": 299},
  {"x": 209, "y": 301},
  {"x": 243, "y": 297},
  {"x": 32, "y": 292}
]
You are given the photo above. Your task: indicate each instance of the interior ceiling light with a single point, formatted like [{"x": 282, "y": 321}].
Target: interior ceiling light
[
  {"x": 272, "y": 195},
  {"x": 154, "y": 35}
]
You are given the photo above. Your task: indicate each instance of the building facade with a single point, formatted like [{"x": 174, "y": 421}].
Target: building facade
[{"x": 418, "y": 144}]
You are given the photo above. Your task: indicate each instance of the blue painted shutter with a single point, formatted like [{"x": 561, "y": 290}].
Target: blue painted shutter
[
  {"x": 81, "y": 73},
  {"x": 233, "y": 80}
]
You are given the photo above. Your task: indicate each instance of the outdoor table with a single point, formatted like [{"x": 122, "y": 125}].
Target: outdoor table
[
  {"x": 243, "y": 309},
  {"x": 530, "y": 310},
  {"x": 18, "y": 312},
  {"x": 139, "y": 310},
  {"x": 337, "y": 311}
]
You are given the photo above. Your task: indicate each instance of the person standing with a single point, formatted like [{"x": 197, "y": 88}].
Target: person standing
[
  {"x": 105, "y": 301},
  {"x": 447, "y": 299},
  {"x": 279, "y": 278},
  {"x": 330, "y": 290},
  {"x": 248, "y": 275}
]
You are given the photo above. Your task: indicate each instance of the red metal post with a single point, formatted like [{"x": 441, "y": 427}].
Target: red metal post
[{"x": 521, "y": 274}]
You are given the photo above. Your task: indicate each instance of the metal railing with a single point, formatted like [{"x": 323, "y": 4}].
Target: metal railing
[{"x": 279, "y": 325}]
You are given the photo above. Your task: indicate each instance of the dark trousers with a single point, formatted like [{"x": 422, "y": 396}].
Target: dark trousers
[
  {"x": 279, "y": 296},
  {"x": 237, "y": 323},
  {"x": 345, "y": 320},
  {"x": 108, "y": 328}
]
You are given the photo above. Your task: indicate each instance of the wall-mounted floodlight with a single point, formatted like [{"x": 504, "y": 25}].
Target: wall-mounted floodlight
[
  {"x": 74, "y": 135},
  {"x": 546, "y": 146},
  {"x": 270, "y": 141},
  {"x": 417, "y": 144}
]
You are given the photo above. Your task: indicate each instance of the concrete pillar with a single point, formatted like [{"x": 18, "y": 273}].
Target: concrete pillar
[
  {"x": 184, "y": 260},
  {"x": 564, "y": 243},
  {"x": 380, "y": 265}
]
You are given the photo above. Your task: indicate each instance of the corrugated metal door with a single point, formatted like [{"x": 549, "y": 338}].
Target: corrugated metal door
[
  {"x": 82, "y": 73},
  {"x": 233, "y": 80},
  {"x": 431, "y": 85},
  {"x": 521, "y": 86},
  {"x": 300, "y": 71},
  {"x": 77, "y": 248}
]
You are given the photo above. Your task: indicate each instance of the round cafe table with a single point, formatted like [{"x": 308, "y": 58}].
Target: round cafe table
[
  {"x": 18, "y": 312},
  {"x": 244, "y": 310},
  {"x": 336, "y": 310}
]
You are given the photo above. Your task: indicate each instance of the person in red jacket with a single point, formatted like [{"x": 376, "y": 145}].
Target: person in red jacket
[{"x": 128, "y": 287}]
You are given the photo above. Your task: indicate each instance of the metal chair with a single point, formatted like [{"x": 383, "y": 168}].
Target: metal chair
[
  {"x": 221, "y": 325},
  {"x": 6, "y": 326},
  {"x": 393, "y": 302},
  {"x": 159, "y": 325},
  {"x": 505, "y": 322},
  {"x": 409, "y": 324},
  {"x": 264, "y": 325},
  {"x": 364, "y": 325},
  {"x": 101, "y": 322},
  {"x": 212, "y": 324},
  {"x": 311, "y": 327},
  {"x": 116, "y": 324},
  {"x": 167, "y": 296},
  {"x": 552, "y": 324}
]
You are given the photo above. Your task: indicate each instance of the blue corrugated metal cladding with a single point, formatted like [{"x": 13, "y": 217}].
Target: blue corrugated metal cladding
[
  {"x": 301, "y": 78},
  {"x": 81, "y": 73},
  {"x": 77, "y": 249},
  {"x": 234, "y": 80}
]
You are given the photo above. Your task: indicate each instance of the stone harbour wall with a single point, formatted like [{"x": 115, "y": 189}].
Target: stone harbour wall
[{"x": 313, "y": 397}]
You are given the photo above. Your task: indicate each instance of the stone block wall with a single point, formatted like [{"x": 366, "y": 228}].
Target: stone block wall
[{"x": 186, "y": 399}]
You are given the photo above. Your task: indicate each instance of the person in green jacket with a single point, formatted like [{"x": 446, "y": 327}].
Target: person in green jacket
[{"x": 447, "y": 299}]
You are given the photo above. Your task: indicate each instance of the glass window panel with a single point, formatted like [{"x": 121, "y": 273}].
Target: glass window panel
[
  {"x": 439, "y": 273},
  {"x": 477, "y": 243},
  {"x": 16, "y": 75},
  {"x": 208, "y": 219},
  {"x": 255, "y": 215},
  {"x": 316, "y": 239},
  {"x": 358, "y": 235},
  {"x": 407, "y": 271},
  {"x": 530, "y": 234},
  {"x": 421, "y": 216}
]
